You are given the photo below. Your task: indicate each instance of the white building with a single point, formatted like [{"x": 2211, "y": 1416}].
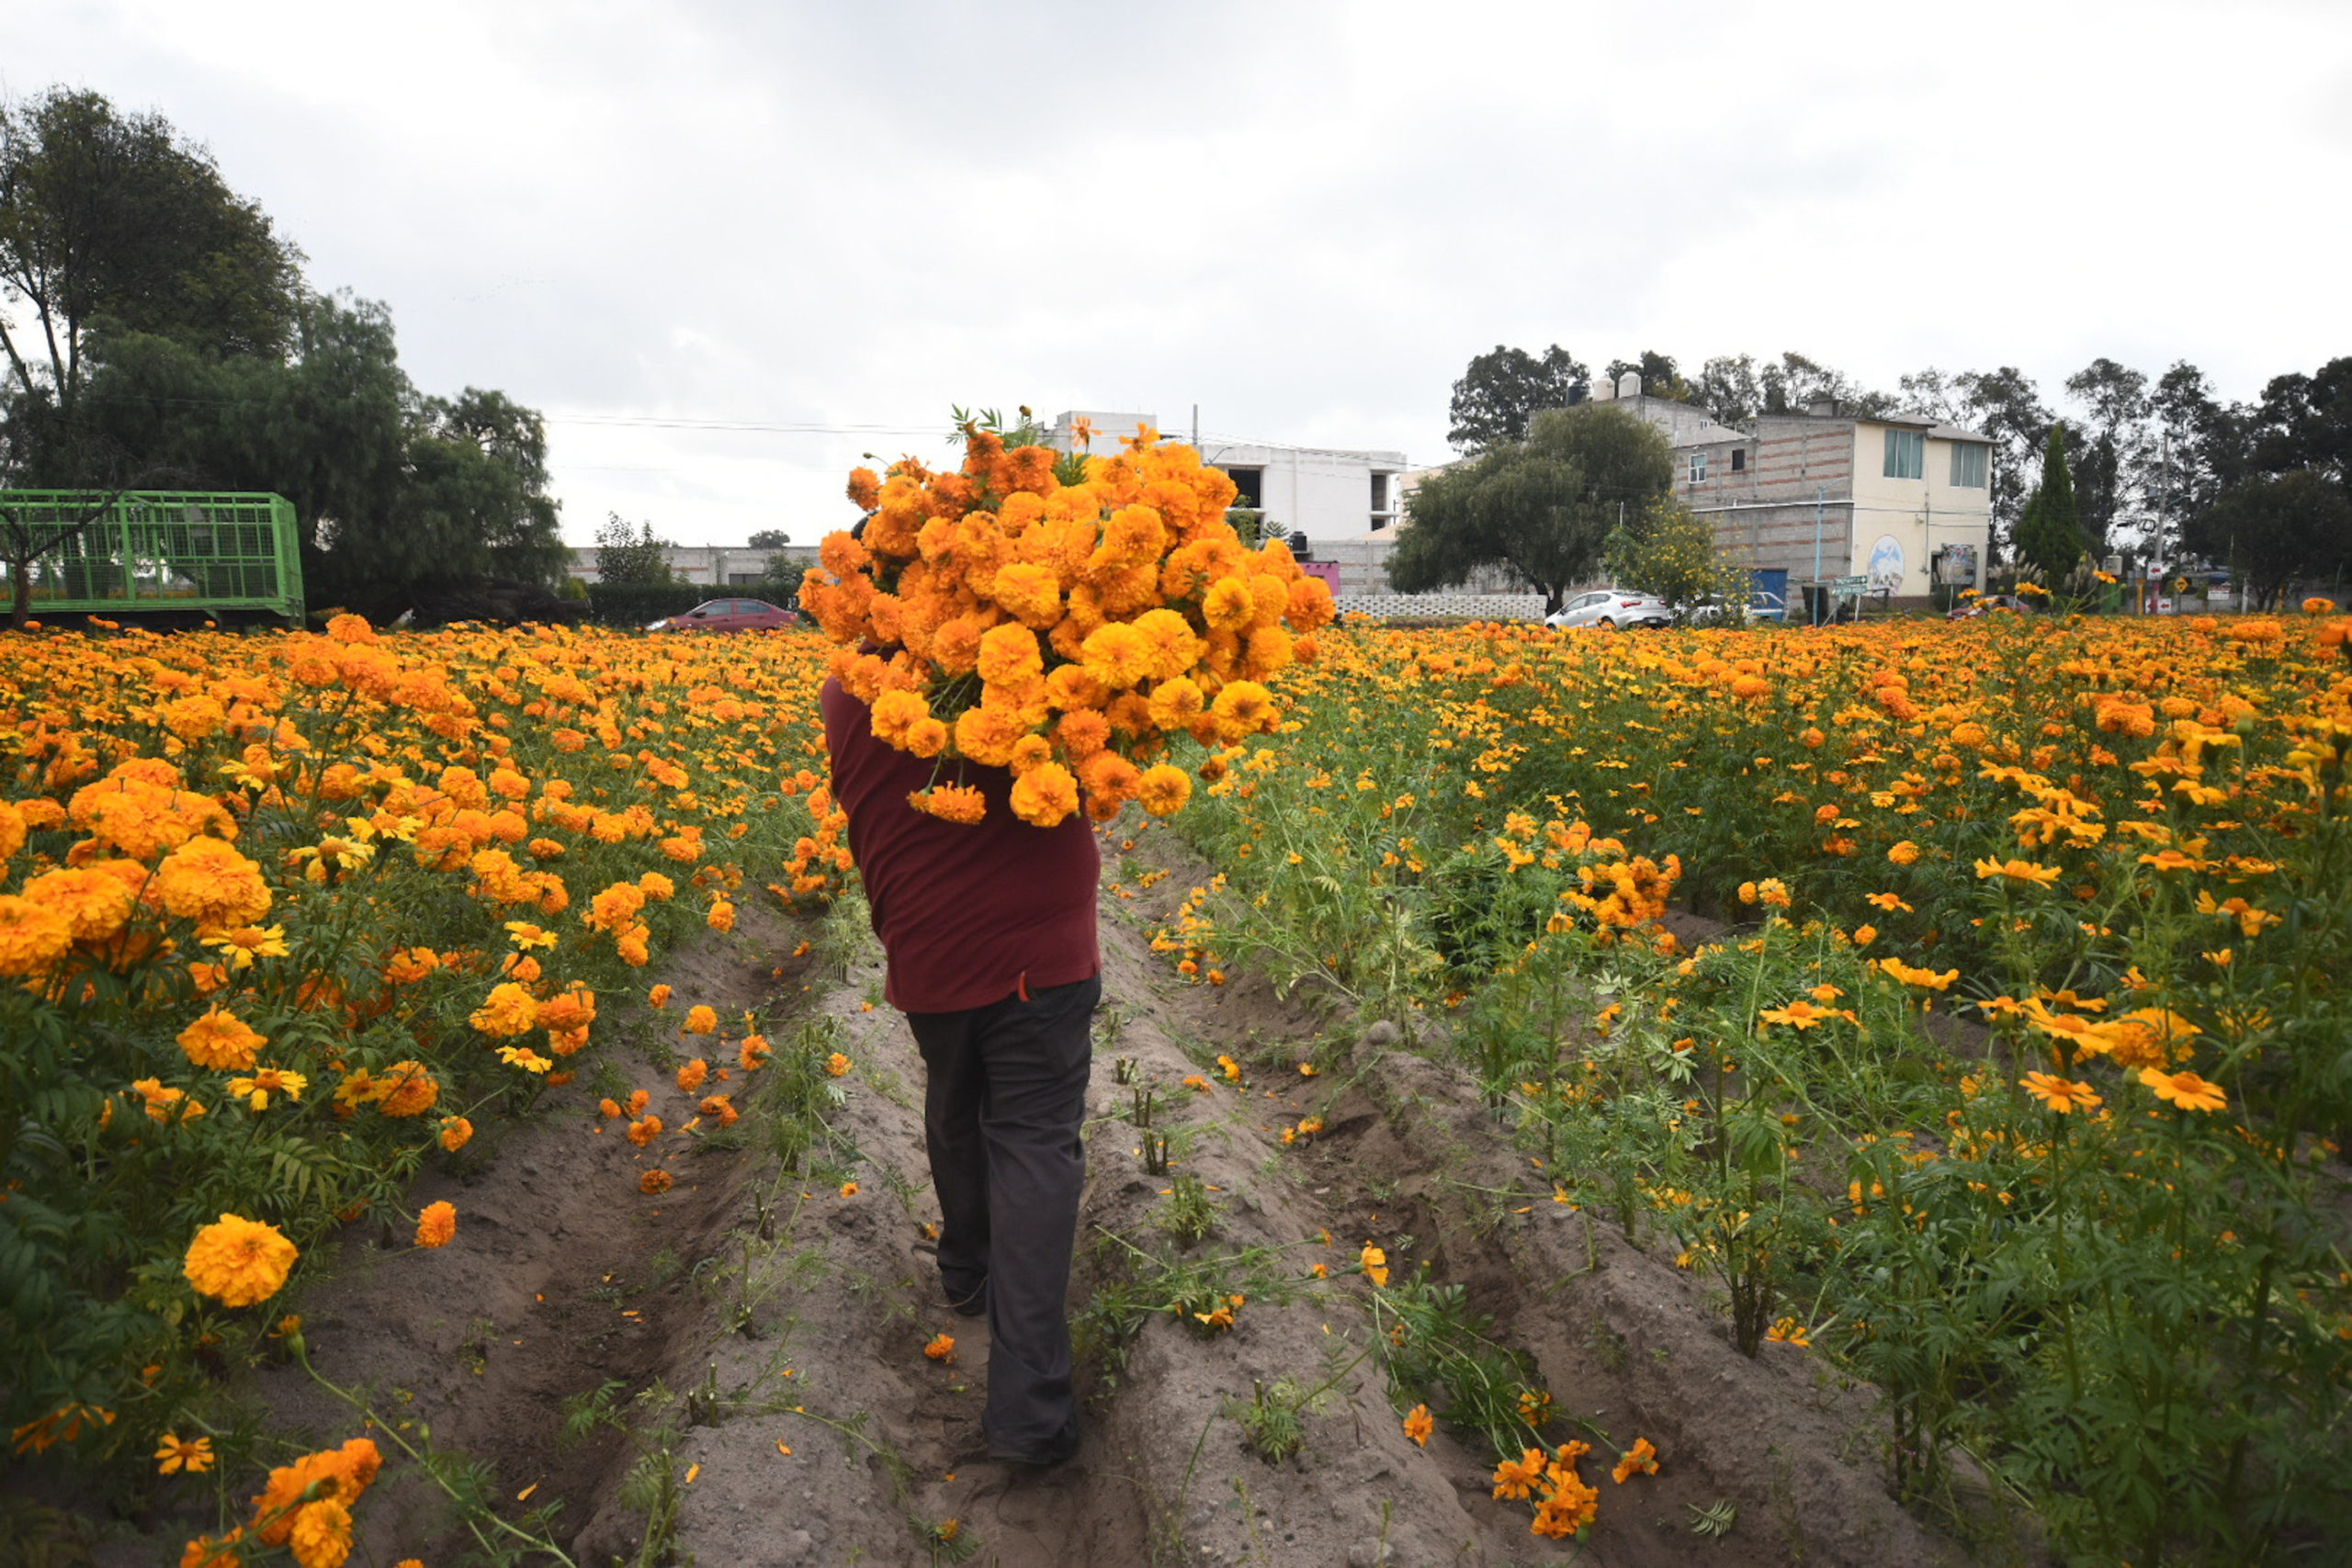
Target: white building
[{"x": 1323, "y": 492}]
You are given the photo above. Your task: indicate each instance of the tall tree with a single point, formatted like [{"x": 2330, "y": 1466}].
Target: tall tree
[
  {"x": 396, "y": 495},
  {"x": 1503, "y": 390},
  {"x": 2274, "y": 529},
  {"x": 2203, "y": 447},
  {"x": 1727, "y": 387},
  {"x": 631, "y": 555},
  {"x": 2306, "y": 421},
  {"x": 1541, "y": 507},
  {"x": 2111, "y": 481},
  {"x": 1661, "y": 377},
  {"x": 2005, "y": 405},
  {"x": 111, "y": 222},
  {"x": 1931, "y": 394},
  {"x": 1796, "y": 383},
  {"x": 2049, "y": 533}
]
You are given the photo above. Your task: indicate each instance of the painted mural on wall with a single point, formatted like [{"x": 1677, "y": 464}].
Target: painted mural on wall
[{"x": 1885, "y": 569}]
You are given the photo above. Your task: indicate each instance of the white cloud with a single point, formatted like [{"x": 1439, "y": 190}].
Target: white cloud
[{"x": 1305, "y": 217}]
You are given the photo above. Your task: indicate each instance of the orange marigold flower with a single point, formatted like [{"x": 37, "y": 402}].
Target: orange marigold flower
[
  {"x": 644, "y": 1130},
  {"x": 1904, "y": 853},
  {"x": 691, "y": 1075},
  {"x": 406, "y": 1089},
  {"x": 2062, "y": 1094},
  {"x": 1374, "y": 1261},
  {"x": 700, "y": 1019},
  {"x": 654, "y": 1182},
  {"x": 2185, "y": 1090},
  {"x": 455, "y": 1133},
  {"x": 1045, "y": 796},
  {"x": 221, "y": 1039},
  {"x": 507, "y": 1011},
  {"x": 1639, "y": 1460},
  {"x": 436, "y": 1224},
  {"x": 658, "y": 998},
  {"x": 836, "y": 1064},
  {"x": 941, "y": 1349},
  {"x": 1515, "y": 1478},
  {"x": 239, "y": 1261},
  {"x": 1419, "y": 1424}
]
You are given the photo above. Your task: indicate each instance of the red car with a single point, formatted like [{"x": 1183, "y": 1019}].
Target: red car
[{"x": 730, "y": 615}]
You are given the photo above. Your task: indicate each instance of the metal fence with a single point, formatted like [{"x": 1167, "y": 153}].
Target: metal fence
[{"x": 151, "y": 551}]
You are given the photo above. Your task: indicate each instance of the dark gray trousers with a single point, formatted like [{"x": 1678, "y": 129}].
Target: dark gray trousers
[{"x": 1002, "y": 1104}]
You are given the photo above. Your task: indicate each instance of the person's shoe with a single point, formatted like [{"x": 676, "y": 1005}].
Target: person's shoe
[
  {"x": 1057, "y": 1450},
  {"x": 970, "y": 1304}
]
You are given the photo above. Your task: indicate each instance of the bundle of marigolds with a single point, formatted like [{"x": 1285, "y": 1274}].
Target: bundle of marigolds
[{"x": 1061, "y": 617}]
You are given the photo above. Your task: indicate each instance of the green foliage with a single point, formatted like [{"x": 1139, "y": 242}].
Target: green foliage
[
  {"x": 640, "y": 603},
  {"x": 767, "y": 539},
  {"x": 2050, "y": 536},
  {"x": 112, "y": 223},
  {"x": 634, "y": 558},
  {"x": 2276, "y": 529},
  {"x": 1671, "y": 551},
  {"x": 1541, "y": 507},
  {"x": 1504, "y": 390}
]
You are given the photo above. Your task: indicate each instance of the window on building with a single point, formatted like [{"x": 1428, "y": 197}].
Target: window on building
[
  {"x": 1249, "y": 484},
  {"x": 1739, "y": 459},
  {"x": 1969, "y": 459},
  {"x": 1380, "y": 492},
  {"x": 1698, "y": 467},
  {"x": 1906, "y": 454}
]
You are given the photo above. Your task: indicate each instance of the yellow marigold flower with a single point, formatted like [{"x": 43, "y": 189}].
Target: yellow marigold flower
[
  {"x": 257, "y": 1090},
  {"x": 192, "y": 1454},
  {"x": 1799, "y": 1014},
  {"x": 2185, "y": 1090},
  {"x": 508, "y": 1010},
  {"x": 1374, "y": 1261},
  {"x": 239, "y": 1261},
  {"x": 2061, "y": 1095},
  {"x": 436, "y": 1224},
  {"x": 1163, "y": 789},
  {"x": 1905, "y": 853},
  {"x": 2018, "y": 871},
  {"x": 166, "y": 1105},
  {"x": 221, "y": 1039},
  {"x": 836, "y": 1064}
]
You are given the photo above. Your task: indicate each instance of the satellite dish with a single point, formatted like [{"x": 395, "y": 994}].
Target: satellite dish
[{"x": 1629, "y": 385}]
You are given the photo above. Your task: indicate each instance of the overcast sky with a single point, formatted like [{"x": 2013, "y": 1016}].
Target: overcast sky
[{"x": 830, "y": 221}]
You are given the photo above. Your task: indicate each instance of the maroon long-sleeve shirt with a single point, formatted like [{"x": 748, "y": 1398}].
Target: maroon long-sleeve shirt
[{"x": 968, "y": 914}]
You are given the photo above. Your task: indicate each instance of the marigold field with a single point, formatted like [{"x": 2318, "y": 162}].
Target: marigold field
[{"x": 1963, "y": 1001}]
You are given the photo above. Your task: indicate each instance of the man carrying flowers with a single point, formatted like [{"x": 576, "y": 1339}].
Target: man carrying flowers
[{"x": 1020, "y": 642}]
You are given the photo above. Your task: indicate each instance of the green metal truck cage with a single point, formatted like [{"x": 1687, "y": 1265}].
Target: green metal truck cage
[{"x": 156, "y": 555}]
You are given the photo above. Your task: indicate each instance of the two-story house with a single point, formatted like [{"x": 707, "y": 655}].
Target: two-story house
[{"x": 1903, "y": 502}]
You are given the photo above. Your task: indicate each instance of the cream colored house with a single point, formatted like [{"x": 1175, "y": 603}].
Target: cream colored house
[{"x": 1903, "y": 502}]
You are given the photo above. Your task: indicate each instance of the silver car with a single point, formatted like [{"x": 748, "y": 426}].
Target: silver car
[{"x": 1612, "y": 607}]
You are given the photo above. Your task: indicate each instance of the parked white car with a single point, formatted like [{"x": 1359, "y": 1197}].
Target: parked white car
[
  {"x": 1761, "y": 606},
  {"x": 1612, "y": 607}
]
